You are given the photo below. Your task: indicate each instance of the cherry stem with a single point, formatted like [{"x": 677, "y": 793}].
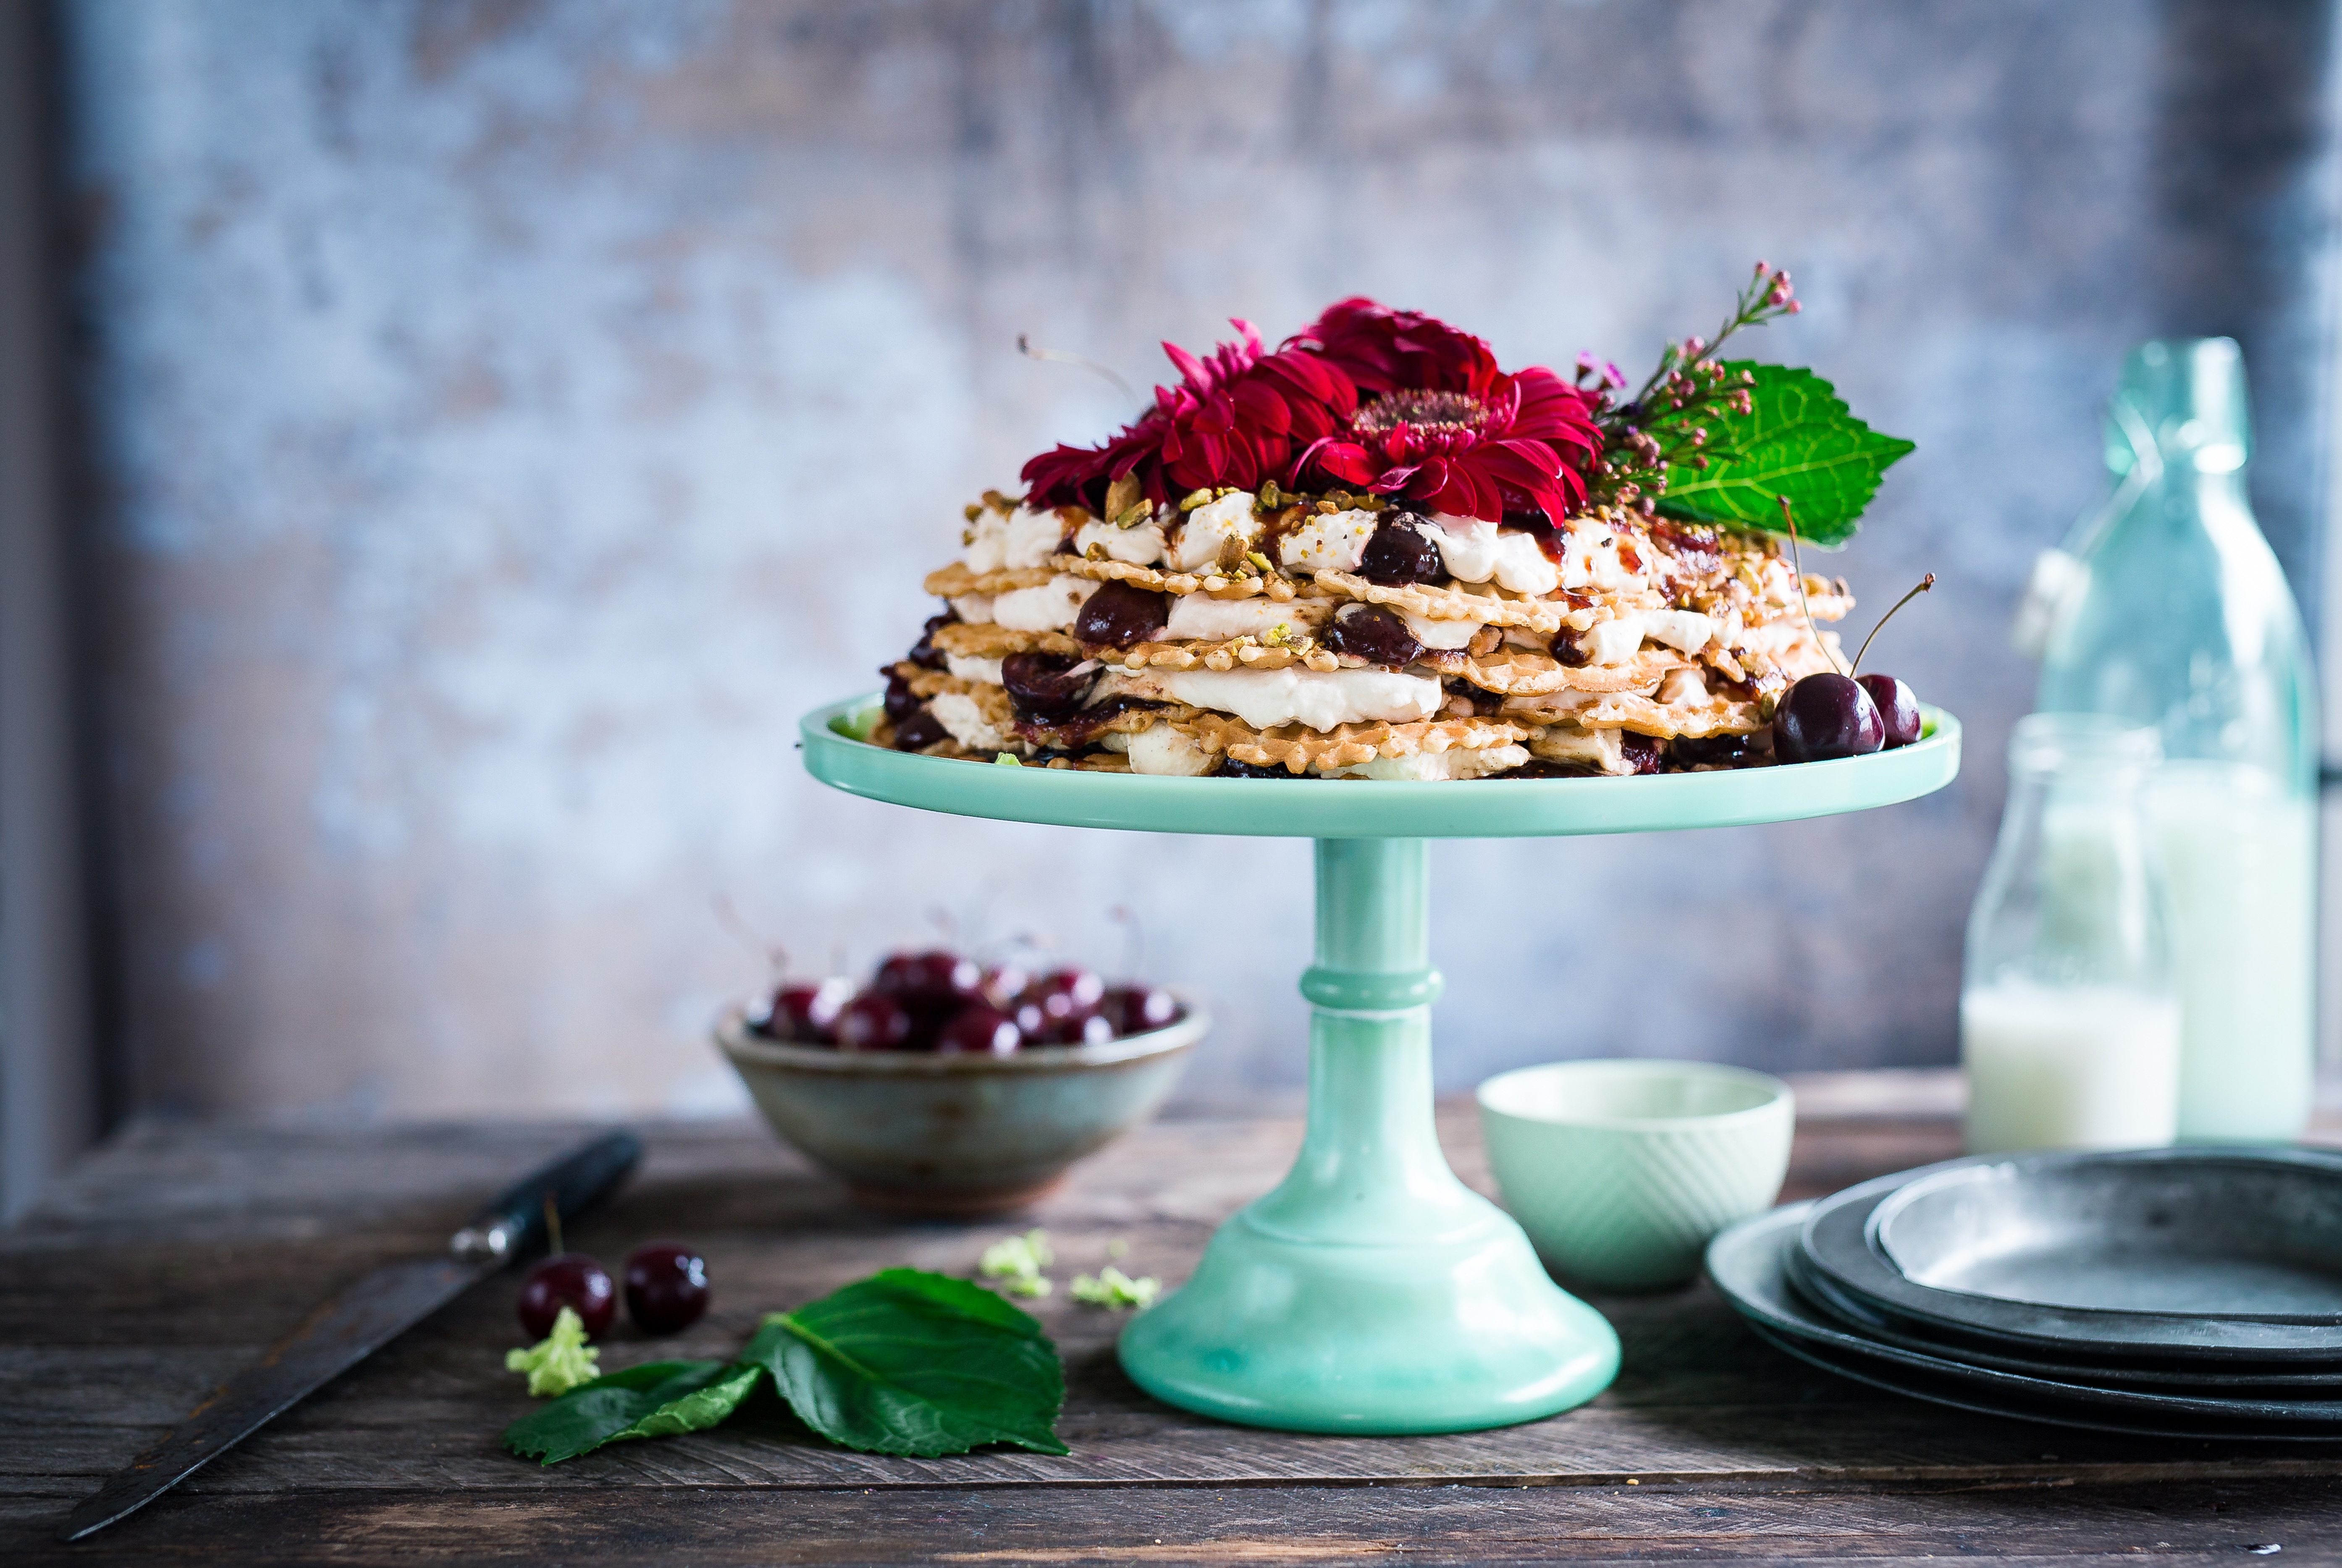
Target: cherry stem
[
  {"x": 1798, "y": 568},
  {"x": 552, "y": 1224},
  {"x": 748, "y": 936},
  {"x": 1925, "y": 583},
  {"x": 1059, "y": 357}
]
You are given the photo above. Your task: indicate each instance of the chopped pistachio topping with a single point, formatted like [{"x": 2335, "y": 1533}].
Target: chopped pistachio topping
[
  {"x": 1194, "y": 498},
  {"x": 1009, "y": 760}
]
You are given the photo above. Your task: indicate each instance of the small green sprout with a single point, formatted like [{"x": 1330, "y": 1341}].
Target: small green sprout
[
  {"x": 1017, "y": 1262},
  {"x": 1115, "y": 1290},
  {"x": 560, "y": 1361}
]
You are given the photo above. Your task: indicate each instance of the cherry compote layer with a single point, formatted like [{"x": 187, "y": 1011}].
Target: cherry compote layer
[
  {"x": 1402, "y": 551},
  {"x": 1374, "y": 633},
  {"x": 1045, "y": 687},
  {"x": 1121, "y": 616}
]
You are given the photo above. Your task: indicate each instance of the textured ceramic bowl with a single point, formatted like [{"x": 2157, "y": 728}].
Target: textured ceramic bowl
[
  {"x": 956, "y": 1135},
  {"x": 1622, "y": 1170}
]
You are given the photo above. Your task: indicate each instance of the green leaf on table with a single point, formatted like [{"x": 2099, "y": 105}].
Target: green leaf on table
[
  {"x": 1797, "y": 440},
  {"x": 911, "y": 1363},
  {"x": 658, "y": 1399}
]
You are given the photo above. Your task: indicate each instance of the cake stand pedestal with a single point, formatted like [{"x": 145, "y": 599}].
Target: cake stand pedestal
[{"x": 1371, "y": 1292}]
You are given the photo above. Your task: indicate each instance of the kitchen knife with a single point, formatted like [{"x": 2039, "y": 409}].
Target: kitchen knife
[{"x": 351, "y": 1325}]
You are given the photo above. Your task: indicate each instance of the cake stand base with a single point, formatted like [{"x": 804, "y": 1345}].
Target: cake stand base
[{"x": 1371, "y": 1292}]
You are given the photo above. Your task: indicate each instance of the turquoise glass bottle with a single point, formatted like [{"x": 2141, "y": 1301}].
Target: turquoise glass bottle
[{"x": 2173, "y": 613}]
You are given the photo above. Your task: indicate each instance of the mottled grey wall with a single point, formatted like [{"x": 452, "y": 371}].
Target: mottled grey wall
[{"x": 507, "y": 418}]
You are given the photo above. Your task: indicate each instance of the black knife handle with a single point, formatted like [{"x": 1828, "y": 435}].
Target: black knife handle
[{"x": 514, "y": 1222}]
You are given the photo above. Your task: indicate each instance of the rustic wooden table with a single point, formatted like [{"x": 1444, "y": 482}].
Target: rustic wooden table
[{"x": 171, "y": 1255}]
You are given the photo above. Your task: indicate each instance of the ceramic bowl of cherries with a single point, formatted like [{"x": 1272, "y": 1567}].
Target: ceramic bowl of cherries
[{"x": 949, "y": 1087}]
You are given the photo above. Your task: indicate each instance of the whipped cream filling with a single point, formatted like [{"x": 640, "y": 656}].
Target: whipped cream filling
[
  {"x": 1323, "y": 541},
  {"x": 984, "y": 671},
  {"x": 987, "y": 542},
  {"x": 1209, "y": 528},
  {"x": 1141, "y": 544},
  {"x": 1612, "y": 641},
  {"x": 1683, "y": 687},
  {"x": 1161, "y": 751},
  {"x": 1031, "y": 537},
  {"x": 1591, "y": 559},
  {"x": 966, "y": 722},
  {"x": 1430, "y": 766},
  {"x": 1443, "y": 635},
  {"x": 1201, "y": 616},
  {"x": 975, "y": 609},
  {"x": 1686, "y": 631},
  {"x": 1051, "y": 608},
  {"x": 1475, "y": 550},
  {"x": 1320, "y": 699}
]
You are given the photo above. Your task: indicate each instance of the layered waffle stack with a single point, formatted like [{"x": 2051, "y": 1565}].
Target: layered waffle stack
[
  {"x": 1371, "y": 553},
  {"x": 1348, "y": 636}
]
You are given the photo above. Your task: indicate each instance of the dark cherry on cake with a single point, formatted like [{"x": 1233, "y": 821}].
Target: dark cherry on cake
[
  {"x": 1824, "y": 717},
  {"x": 1120, "y": 616},
  {"x": 1375, "y": 633}
]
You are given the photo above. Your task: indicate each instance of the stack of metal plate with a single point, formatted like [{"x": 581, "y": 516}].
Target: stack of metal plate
[{"x": 2183, "y": 1292}]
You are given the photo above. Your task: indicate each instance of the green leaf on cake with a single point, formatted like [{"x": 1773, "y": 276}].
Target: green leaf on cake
[
  {"x": 659, "y": 1399},
  {"x": 1797, "y": 440},
  {"x": 915, "y": 1363}
]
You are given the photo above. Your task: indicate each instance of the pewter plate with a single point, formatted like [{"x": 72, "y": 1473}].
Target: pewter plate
[
  {"x": 2222, "y": 1255},
  {"x": 1749, "y": 1266},
  {"x": 1865, "y": 1321}
]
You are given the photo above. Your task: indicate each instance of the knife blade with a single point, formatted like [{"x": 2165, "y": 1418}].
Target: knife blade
[{"x": 355, "y": 1322}]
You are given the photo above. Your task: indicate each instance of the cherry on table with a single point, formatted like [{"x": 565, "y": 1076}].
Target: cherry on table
[
  {"x": 872, "y": 1020},
  {"x": 979, "y": 1029},
  {"x": 1824, "y": 717},
  {"x": 569, "y": 1280},
  {"x": 667, "y": 1287},
  {"x": 1898, "y": 708}
]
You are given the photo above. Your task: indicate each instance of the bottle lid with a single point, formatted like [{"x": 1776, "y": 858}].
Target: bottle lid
[
  {"x": 2082, "y": 744},
  {"x": 2183, "y": 399}
]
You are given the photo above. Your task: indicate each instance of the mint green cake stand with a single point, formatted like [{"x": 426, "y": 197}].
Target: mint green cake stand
[{"x": 1371, "y": 1292}]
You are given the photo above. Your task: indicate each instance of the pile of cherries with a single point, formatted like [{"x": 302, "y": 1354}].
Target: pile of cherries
[
  {"x": 941, "y": 1002},
  {"x": 666, "y": 1291}
]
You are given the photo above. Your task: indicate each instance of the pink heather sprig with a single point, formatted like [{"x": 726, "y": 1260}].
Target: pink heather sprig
[{"x": 1661, "y": 426}]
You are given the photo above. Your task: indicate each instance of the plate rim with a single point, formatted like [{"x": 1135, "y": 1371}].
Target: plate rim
[
  {"x": 1782, "y": 1223},
  {"x": 1837, "y": 1238}
]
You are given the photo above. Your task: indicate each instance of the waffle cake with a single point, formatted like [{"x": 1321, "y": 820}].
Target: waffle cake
[{"x": 1367, "y": 555}]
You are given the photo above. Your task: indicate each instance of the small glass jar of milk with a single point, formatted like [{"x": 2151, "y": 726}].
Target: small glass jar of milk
[{"x": 2069, "y": 1026}]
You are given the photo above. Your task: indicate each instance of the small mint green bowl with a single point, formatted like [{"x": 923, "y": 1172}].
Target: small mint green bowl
[{"x": 1621, "y": 1170}]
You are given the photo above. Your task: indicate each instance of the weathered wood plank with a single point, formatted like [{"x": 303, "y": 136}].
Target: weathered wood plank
[{"x": 2044, "y": 1523}]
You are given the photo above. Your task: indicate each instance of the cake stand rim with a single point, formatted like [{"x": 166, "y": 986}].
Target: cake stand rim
[{"x": 1379, "y": 808}]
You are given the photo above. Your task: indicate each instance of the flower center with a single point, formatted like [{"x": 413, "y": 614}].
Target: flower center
[{"x": 1430, "y": 412}]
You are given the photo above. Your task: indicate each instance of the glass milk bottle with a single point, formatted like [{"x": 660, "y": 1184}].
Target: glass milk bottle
[
  {"x": 2069, "y": 1027},
  {"x": 2175, "y": 615}
]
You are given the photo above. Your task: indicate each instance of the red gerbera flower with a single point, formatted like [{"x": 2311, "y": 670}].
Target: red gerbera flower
[
  {"x": 1441, "y": 424},
  {"x": 1238, "y": 417}
]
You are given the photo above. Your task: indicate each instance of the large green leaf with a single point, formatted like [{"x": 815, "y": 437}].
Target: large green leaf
[
  {"x": 915, "y": 1363},
  {"x": 658, "y": 1399},
  {"x": 1798, "y": 440}
]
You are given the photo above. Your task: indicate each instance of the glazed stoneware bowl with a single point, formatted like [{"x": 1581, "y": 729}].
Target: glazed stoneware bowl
[
  {"x": 956, "y": 1136},
  {"x": 1622, "y": 1170}
]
